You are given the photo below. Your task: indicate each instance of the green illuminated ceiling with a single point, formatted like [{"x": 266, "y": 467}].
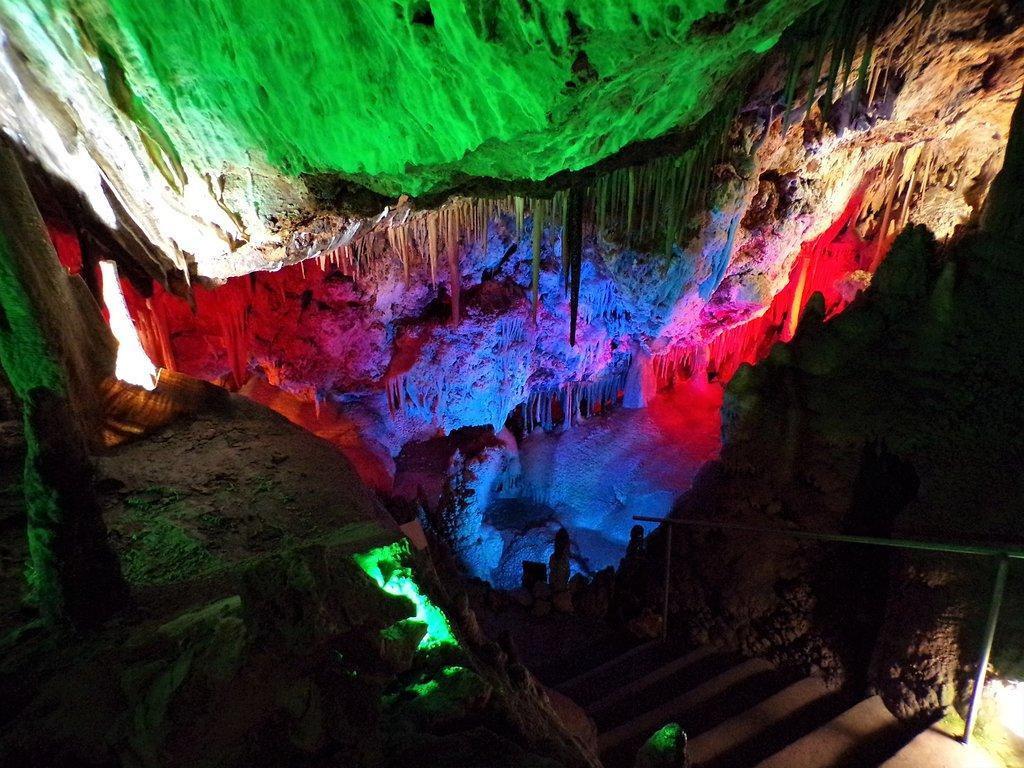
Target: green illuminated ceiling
[{"x": 409, "y": 95}]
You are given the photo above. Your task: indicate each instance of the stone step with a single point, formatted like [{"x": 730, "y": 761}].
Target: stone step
[
  {"x": 719, "y": 745},
  {"x": 933, "y": 748},
  {"x": 598, "y": 682},
  {"x": 663, "y": 677},
  {"x": 653, "y": 690},
  {"x": 864, "y": 735},
  {"x": 643, "y": 725}
]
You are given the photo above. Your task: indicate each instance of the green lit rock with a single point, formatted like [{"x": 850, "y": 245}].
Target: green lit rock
[
  {"x": 388, "y": 567},
  {"x": 347, "y": 87},
  {"x": 174, "y": 668},
  {"x": 302, "y": 597},
  {"x": 448, "y": 696},
  {"x": 216, "y": 121},
  {"x": 163, "y": 552},
  {"x": 400, "y": 641},
  {"x": 665, "y": 749}
]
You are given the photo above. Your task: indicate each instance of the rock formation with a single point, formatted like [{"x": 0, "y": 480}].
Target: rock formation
[
  {"x": 525, "y": 270},
  {"x": 870, "y": 423}
]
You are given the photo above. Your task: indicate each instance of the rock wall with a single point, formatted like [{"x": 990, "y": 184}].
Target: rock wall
[
  {"x": 800, "y": 196},
  {"x": 276, "y": 618},
  {"x": 896, "y": 418}
]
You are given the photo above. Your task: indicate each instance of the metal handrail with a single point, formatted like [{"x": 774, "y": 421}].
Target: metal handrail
[{"x": 1005, "y": 554}]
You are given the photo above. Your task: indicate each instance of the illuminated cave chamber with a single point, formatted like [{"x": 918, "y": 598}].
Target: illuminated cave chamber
[
  {"x": 530, "y": 269},
  {"x": 436, "y": 323}
]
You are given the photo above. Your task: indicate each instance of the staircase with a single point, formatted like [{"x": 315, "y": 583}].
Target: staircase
[{"x": 742, "y": 713}]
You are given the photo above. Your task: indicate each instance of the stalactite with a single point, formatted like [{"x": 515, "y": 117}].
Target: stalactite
[
  {"x": 654, "y": 203},
  {"x": 821, "y": 267},
  {"x": 454, "y": 273},
  {"x": 924, "y": 18},
  {"x": 432, "y": 245},
  {"x": 572, "y": 244},
  {"x": 150, "y": 317},
  {"x": 562, "y": 201},
  {"x": 798, "y": 297},
  {"x": 563, "y": 406},
  {"x": 485, "y": 219},
  {"x": 900, "y": 183},
  {"x": 657, "y": 200},
  {"x": 630, "y": 201},
  {"x": 162, "y": 338},
  {"x": 399, "y": 242},
  {"x": 538, "y": 236},
  {"x": 232, "y": 308},
  {"x": 510, "y": 330},
  {"x": 796, "y": 58},
  {"x": 865, "y": 68},
  {"x": 836, "y": 29}
]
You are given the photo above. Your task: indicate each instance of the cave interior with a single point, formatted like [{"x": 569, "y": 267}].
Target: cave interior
[{"x": 533, "y": 383}]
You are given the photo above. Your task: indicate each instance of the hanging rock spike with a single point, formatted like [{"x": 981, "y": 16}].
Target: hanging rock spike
[
  {"x": 572, "y": 247},
  {"x": 538, "y": 236}
]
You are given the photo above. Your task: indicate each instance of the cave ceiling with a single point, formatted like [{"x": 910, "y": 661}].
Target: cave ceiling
[{"x": 203, "y": 130}]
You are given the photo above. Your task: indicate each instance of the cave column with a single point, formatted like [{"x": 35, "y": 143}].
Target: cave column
[
  {"x": 1003, "y": 212},
  {"x": 54, "y": 349}
]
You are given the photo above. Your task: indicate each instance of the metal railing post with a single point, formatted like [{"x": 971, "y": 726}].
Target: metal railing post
[
  {"x": 668, "y": 569},
  {"x": 986, "y": 646},
  {"x": 1004, "y": 553}
]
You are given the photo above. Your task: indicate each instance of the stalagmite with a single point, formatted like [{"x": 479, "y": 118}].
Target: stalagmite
[{"x": 55, "y": 351}]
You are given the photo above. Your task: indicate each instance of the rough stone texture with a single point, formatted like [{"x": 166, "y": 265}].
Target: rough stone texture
[
  {"x": 574, "y": 717},
  {"x": 666, "y": 748},
  {"x": 382, "y": 348},
  {"x": 201, "y": 141},
  {"x": 56, "y": 351},
  {"x": 270, "y": 649},
  {"x": 376, "y": 359},
  {"x": 451, "y": 481},
  {"x": 897, "y": 417},
  {"x": 378, "y": 352}
]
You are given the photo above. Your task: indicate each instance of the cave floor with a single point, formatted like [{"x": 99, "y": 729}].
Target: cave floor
[
  {"x": 595, "y": 476},
  {"x": 187, "y": 504},
  {"x": 214, "y": 489}
]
